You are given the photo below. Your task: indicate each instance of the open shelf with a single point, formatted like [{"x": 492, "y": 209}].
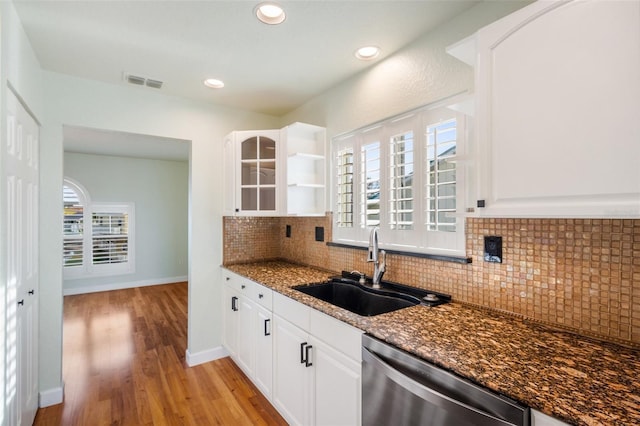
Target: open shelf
[
  {"x": 307, "y": 156},
  {"x": 305, "y": 185}
]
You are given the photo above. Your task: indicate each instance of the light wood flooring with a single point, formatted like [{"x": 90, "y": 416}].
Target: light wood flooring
[{"x": 124, "y": 364}]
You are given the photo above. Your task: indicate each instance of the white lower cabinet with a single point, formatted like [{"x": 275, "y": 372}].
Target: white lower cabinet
[
  {"x": 292, "y": 378},
  {"x": 247, "y": 328},
  {"x": 314, "y": 384},
  {"x": 306, "y": 363},
  {"x": 317, "y": 379},
  {"x": 337, "y": 387}
]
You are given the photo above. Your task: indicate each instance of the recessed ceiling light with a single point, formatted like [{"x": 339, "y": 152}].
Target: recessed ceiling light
[
  {"x": 270, "y": 13},
  {"x": 214, "y": 83},
  {"x": 368, "y": 52}
]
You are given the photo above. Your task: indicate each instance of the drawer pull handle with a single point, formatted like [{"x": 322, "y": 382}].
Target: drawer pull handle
[
  {"x": 307, "y": 360},
  {"x": 260, "y": 296},
  {"x": 305, "y": 355}
]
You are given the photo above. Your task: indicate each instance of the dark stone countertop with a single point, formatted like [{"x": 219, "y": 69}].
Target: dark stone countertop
[{"x": 575, "y": 379}]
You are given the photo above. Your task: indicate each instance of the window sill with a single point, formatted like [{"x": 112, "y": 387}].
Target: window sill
[{"x": 443, "y": 258}]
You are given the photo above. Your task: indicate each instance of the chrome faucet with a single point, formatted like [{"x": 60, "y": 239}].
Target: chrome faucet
[{"x": 373, "y": 256}]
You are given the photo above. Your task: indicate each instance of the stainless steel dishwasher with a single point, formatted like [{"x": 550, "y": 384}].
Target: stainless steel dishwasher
[{"x": 401, "y": 389}]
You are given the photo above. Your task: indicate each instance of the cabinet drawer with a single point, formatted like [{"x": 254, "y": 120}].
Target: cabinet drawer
[
  {"x": 341, "y": 336},
  {"x": 241, "y": 284},
  {"x": 291, "y": 310},
  {"x": 262, "y": 295}
]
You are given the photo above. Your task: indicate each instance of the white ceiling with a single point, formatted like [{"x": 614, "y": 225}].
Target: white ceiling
[{"x": 269, "y": 69}]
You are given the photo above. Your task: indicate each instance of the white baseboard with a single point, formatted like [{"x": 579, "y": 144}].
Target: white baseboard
[
  {"x": 51, "y": 397},
  {"x": 201, "y": 357},
  {"x": 121, "y": 286}
]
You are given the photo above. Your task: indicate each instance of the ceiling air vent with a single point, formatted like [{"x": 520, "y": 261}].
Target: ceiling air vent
[
  {"x": 156, "y": 84},
  {"x": 143, "y": 81},
  {"x": 134, "y": 79}
]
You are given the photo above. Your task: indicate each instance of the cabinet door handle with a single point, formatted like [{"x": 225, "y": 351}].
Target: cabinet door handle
[
  {"x": 302, "y": 352},
  {"x": 234, "y": 306},
  {"x": 21, "y": 302},
  {"x": 267, "y": 332},
  {"x": 307, "y": 361},
  {"x": 32, "y": 292}
]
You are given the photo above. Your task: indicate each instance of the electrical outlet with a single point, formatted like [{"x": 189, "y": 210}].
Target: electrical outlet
[
  {"x": 493, "y": 249},
  {"x": 319, "y": 233},
  {"x": 288, "y": 231}
]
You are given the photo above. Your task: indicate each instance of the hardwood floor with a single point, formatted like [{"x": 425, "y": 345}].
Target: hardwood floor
[{"x": 124, "y": 364}]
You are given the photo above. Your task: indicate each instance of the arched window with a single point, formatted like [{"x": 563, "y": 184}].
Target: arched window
[
  {"x": 75, "y": 244},
  {"x": 98, "y": 237}
]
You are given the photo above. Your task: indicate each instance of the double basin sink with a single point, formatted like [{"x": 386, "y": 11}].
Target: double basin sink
[{"x": 364, "y": 300}]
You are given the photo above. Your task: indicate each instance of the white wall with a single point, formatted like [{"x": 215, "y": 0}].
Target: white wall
[
  {"x": 159, "y": 190},
  {"x": 85, "y": 103},
  {"x": 20, "y": 67}
]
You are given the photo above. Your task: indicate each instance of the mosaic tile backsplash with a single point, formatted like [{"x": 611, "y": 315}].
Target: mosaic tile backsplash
[{"x": 578, "y": 274}]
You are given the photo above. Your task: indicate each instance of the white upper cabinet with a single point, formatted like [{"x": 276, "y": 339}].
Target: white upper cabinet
[
  {"x": 305, "y": 171},
  {"x": 558, "y": 110},
  {"x": 251, "y": 174},
  {"x": 275, "y": 172}
]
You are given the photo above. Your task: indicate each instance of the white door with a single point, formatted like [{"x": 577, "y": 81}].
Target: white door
[
  {"x": 263, "y": 369},
  {"x": 256, "y": 175},
  {"x": 20, "y": 221},
  {"x": 337, "y": 387},
  {"x": 246, "y": 322},
  {"x": 292, "y": 379},
  {"x": 231, "y": 314}
]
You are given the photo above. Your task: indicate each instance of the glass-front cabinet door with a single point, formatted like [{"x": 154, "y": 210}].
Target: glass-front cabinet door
[
  {"x": 258, "y": 171},
  {"x": 274, "y": 172}
]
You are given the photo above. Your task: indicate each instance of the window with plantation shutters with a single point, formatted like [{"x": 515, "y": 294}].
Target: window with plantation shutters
[
  {"x": 370, "y": 184},
  {"x": 344, "y": 192},
  {"x": 441, "y": 176},
  {"x": 98, "y": 237},
  {"x": 406, "y": 177},
  {"x": 73, "y": 228},
  {"x": 401, "y": 181},
  {"x": 110, "y": 237}
]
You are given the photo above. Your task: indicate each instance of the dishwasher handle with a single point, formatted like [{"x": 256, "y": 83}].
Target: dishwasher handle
[{"x": 476, "y": 416}]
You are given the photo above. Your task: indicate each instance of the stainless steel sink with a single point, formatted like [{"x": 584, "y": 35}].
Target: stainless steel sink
[{"x": 357, "y": 298}]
